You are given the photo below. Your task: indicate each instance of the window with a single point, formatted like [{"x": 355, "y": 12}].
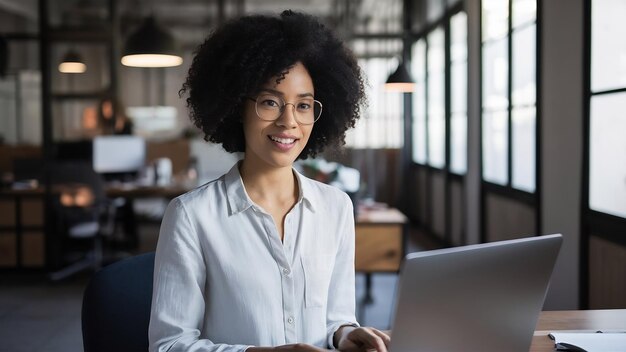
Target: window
[
  {"x": 436, "y": 95},
  {"x": 20, "y": 94},
  {"x": 431, "y": 114},
  {"x": 607, "y": 171},
  {"x": 509, "y": 106},
  {"x": 418, "y": 68},
  {"x": 458, "y": 93},
  {"x": 381, "y": 124}
]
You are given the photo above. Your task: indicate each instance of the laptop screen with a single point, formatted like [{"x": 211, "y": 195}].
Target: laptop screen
[{"x": 484, "y": 297}]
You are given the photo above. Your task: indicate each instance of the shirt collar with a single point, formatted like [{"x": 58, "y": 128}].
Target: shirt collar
[
  {"x": 239, "y": 201},
  {"x": 306, "y": 192}
]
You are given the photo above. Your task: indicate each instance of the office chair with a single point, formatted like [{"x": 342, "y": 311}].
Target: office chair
[
  {"x": 116, "y": 306},
  {"x": 82, "y": 213}
]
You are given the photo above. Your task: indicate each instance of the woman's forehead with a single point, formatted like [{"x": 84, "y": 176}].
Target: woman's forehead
[{"x": 295, "y": 80}]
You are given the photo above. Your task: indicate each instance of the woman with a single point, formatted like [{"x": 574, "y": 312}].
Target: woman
[
  {"x": 263, "y": 258},
  {"x": 112, "y": 117}
]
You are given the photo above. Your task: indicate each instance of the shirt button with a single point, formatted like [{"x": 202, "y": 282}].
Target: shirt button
[
  {"x": 290, "y": 320},
  {"x": 286, "y": 271}
]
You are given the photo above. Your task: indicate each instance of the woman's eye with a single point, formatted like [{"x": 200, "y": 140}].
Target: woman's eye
[
  {"x": 270, "y": 103},
  {"x": 304, "y": 106}
]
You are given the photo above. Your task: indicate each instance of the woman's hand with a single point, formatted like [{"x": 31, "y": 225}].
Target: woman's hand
[
  {"x": 297, "y": 347},
  {"x": 353, "y": 339}
]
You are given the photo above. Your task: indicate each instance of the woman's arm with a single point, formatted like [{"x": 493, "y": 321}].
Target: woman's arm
[
  {"x": 341, "y": 297},
  {"x": 178, "y": 304},
  {"x": 344, "y": 333},
  {"x": 298, "y": 347}
]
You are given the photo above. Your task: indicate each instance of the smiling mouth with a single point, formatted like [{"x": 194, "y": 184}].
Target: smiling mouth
[{"x": 282, "y": 140}]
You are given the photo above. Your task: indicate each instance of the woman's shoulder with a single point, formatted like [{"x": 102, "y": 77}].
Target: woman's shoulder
[
  {"x": 204, "y": 194},
  {"x": 324, "y": 191}
]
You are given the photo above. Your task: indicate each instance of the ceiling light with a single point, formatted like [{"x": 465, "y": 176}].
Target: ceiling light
[
  {"x": 400, "y": 80},
  {"x": 72, "y": 63},
  {"x": 4, "y": 56},
  {"x": 150, "y": 46}
]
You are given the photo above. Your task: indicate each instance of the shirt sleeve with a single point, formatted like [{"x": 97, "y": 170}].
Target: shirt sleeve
[
  {"x": 341, "y": 295},
  {"x": 178, "y": 305}
]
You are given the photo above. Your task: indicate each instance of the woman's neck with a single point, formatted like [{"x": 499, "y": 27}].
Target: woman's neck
[{"x": 264, "y": 183}]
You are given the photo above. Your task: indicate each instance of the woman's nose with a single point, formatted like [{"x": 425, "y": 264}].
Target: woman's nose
[{"x": 287, "y": 117}]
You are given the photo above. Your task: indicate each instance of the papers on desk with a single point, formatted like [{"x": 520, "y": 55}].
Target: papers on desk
[{"x": 609, "y": 341}]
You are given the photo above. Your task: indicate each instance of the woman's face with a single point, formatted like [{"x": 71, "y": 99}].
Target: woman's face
[
  {"x": 278, "y": 143},
  {"x": 107, "y": 109}
]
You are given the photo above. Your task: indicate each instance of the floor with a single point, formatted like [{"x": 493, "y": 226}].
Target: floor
[
  {"x": 36, "y": 315},
  {"x": 39, "y": 316}
]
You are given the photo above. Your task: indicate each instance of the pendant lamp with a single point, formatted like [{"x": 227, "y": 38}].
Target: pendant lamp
[
  {"x": 72, "y": 63},
  {"x": 400, "y": 80},
  {"x": 4, "y": 56},
  {"x": 150, "y": 46}
]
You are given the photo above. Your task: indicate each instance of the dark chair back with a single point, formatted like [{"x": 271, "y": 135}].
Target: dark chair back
[
  {"x": 77, "y": 172},
  {"x": 116, "y": 306}
]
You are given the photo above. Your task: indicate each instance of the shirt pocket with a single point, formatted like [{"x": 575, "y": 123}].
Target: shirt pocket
[{"x": 317, "y": 274}]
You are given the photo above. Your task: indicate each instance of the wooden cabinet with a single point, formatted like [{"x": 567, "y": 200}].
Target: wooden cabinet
[{"x": 22, "y": 239}]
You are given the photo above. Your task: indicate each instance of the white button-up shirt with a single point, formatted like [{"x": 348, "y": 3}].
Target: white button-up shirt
[{"x": 224, "y": 281}]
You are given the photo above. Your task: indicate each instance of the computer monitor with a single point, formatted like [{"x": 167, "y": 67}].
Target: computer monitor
[{"x": 118, "y": 155}]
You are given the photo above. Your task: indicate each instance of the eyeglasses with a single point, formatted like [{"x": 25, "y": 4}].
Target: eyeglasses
[{"x": 269, "y": 107}]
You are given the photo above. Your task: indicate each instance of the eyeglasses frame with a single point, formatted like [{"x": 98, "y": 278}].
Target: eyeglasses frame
[{"x": 282, "y": 111}]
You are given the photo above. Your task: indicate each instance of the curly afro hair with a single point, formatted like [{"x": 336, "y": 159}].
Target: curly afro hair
[{"x": 243, "y": 54}]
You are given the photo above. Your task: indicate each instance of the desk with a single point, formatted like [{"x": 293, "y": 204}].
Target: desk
[
  {"x": 23, "y": 229},
  {"x": 380, "y": 244},
  {"x": 380, "y": 240},
  {"x": 574, "y": 320},
  {"x": 132, "y": 191}
]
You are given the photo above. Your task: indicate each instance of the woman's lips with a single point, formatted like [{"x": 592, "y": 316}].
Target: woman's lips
[{"x": 283, "y": 143}]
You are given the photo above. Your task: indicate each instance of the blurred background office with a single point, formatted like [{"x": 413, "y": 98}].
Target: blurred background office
[{"x": 487, "y": 120}]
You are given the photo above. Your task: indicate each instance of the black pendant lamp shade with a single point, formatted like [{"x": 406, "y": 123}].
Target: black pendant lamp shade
[
  {"x": 150, "y": 46},
  {"x": 4, "y": 56},
  {"x": 72, "y": 63},
  {"x": 400, "y": 80}
]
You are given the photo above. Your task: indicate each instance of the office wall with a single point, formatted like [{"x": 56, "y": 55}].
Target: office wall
[
  {"x": 561, "y": 141},
  {"x": 607, "y": 271},
  {"x": 457, "y": 213},
  {"x": 438, "y": 204},
  {"x": 507, "y": 219}
]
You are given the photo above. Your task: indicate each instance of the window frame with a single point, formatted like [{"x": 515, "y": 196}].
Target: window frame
[
  {"x": 592, "y": 222},
  {"x": 430, "y": 171},
  {"x": 508, "y": 190},
  {"x": 443, "y": 23}
]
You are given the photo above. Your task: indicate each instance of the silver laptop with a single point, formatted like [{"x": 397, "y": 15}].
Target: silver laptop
[{"x": 484, "y": 297}]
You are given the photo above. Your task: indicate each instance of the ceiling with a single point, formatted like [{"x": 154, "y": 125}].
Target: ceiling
[{"x": 191, "y": 20}]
